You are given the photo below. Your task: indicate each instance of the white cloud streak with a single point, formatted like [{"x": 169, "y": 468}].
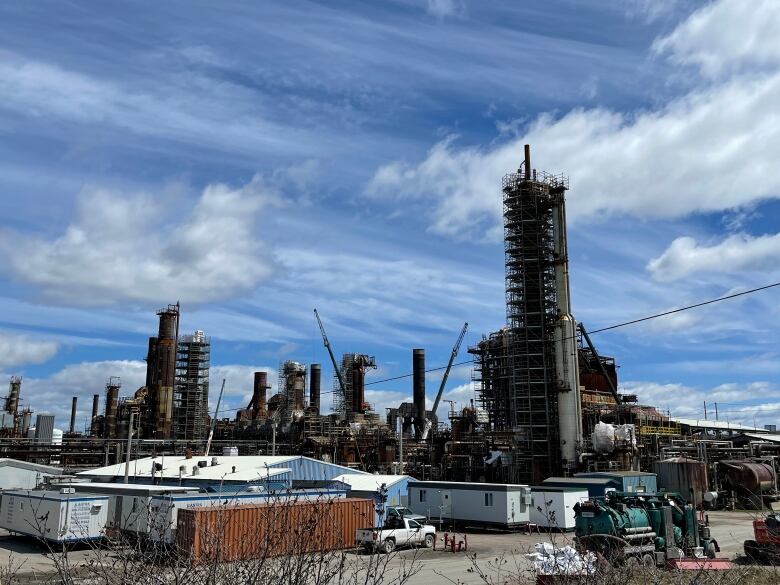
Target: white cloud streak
[
  {"x": 19, "y": 350},
  {"x": 737, "y": 253},
  {"x": 700, "y": 152}
]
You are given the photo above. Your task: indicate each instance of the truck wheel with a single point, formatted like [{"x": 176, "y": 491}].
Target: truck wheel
[
  {"x": 429, "y": 540},
  {"x": 389, "y": 545},
  {"x": 648, "y": 560},
  {"x": 711, "y": 552},
  {"x": 752, "y": 550}
]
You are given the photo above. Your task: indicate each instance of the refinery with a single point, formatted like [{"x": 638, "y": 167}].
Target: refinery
[
  {"x": 549, "y": 429},
  {"x": 548, "y": 404}
]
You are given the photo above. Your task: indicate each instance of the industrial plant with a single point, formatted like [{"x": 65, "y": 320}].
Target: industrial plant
[{"x": 548, "y": 417}]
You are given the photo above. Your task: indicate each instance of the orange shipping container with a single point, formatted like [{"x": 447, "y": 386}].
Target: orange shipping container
[{"x": 281, "y": 528}]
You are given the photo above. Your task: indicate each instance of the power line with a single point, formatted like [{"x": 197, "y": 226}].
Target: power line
[{"x": 616, "y": 326}]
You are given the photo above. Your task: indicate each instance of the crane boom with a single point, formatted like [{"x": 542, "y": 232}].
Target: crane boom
[
  {"x": 453, "y": 355},
  {"x": 214, "y": 420},
  {"x": 330, "y": 353}
]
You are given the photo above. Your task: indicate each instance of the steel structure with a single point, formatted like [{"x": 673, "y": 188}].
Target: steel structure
[
  {"x": 191, "y": 390},
  {"x": 515, "y": 368}
]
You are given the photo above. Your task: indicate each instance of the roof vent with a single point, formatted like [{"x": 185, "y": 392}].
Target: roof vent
[
  {"x": 213, "y": 461},
  {"x": 203, "y": 463},
  {"x": 195, "y": 470}
]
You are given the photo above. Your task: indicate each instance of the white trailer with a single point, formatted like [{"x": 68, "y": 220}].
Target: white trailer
[
  {"x": 471, "y": 503},
  {"x": 55, "y": 516},
  {"x": 129, "y": 504},
  {"x": 553, "y": 507}
]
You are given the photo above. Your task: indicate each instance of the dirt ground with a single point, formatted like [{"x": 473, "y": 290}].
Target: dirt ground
[{"x": 730, "y": 529}]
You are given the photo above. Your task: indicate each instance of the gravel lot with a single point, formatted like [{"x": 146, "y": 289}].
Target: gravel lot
[{"x": 731, "y": 529}]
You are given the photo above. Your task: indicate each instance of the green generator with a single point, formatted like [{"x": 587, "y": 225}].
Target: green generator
[{"x": 650, "y": 529}]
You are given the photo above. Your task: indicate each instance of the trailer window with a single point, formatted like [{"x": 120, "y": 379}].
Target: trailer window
[
  {"x": 488, "y": 499},
  {"x": 422, "y": 495}
]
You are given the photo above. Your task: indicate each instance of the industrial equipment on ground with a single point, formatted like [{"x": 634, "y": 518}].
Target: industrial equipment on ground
[{"x": 647, "y": 529}]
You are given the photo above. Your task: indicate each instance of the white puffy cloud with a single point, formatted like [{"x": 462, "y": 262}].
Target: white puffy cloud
[
  {"x": 749, "y": 403},
  {"x": 19, "y": 350},
  {"x": 699, "y": 152},
  {"x": 127, "y": 248},
  {"x": 725, "y": 36},
  {"x": 737, "y": 253}
]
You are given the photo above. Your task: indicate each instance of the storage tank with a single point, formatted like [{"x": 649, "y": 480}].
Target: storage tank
[
  {"x": 687, "y": 477},
  {"x": 747, "y": 476}
]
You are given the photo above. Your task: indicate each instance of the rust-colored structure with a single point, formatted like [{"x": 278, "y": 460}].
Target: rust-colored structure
[
  {"x": 259, "y": 404},
  {"x": 112, "y": 407},
  {"x": 315, "y": 377},
  {"x": 161, "y": 375},
  {"x": 222, "y": 533}
]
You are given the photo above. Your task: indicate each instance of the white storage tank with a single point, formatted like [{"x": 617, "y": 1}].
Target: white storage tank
[
  {"x": 55, "y": 516},
  {"x": 553, "y": 507},
  {"x": 471, "y": 503}
]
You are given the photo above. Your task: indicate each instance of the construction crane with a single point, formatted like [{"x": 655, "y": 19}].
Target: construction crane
[
  {"x": 330, "y": 353},
  {"x": 453, "y": 355},
  {"x": 214, "y": 420}
]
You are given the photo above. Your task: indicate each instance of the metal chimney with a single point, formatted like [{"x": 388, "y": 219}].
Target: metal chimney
[
  {"x": 418, "y": 387},
  {"x": 73, "y": 415},
  {"x": 315, "y": 375},
  {"x": 527, "y": 162},
  {"x": 95, "y": 405},
  {"x": 259, "y": 400}
]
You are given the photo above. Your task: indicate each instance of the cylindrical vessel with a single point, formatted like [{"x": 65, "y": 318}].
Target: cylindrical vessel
[
  {"x": 418, "y": 385},
  {"x": 95, "y": 406},
  {"x": 687, "y": 477},
  {"x": 26, "y": 420},
  {"x": 15, "y": 388},
  {"x": 112, "y": 405},
  {"x": 73, "y": 415},
  {"x": 748, "y": 476},
  {"x": 315, "y": 376},
  {"x": 358, "y": 387},
  {"x": 259, "y": 397}
]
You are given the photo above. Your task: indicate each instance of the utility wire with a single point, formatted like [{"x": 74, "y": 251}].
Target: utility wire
[
  {"x": 594, "y": 331},
  {"x": 616, "y": 326}
]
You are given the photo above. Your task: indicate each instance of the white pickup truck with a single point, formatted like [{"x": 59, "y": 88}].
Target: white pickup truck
[{"x": 400, "y": 532}]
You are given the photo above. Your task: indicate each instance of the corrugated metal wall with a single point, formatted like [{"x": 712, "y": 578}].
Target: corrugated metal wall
[{"x": 251, "y": 532}]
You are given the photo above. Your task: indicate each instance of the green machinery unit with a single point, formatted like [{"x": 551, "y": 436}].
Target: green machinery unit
[{"x": 642, "y": 528}]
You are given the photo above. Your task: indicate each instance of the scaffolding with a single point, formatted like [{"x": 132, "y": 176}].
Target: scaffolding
[
  {"x": 344, "y": 400},
  {"x": 515, "y": 368},
  {"x": 292, "y": 388},
  {"x": 191, "y": 391}
]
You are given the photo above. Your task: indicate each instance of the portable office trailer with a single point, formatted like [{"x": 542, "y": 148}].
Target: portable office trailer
[
  {"x": 469, "y": 503},
  {"x": 129, "y": 504},
  {"x": 553, "y": 507},
  {"x": 55, "y": 516},
  {"x": 164, "y": 509},
  {"x": 21, "y": 475}
]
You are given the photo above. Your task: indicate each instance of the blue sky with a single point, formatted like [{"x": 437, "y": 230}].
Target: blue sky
[{"x": 257, "y": 159}]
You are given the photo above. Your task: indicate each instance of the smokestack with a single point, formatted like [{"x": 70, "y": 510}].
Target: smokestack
[
  {"x": 112, "y": 405},
  {"x": 14, "y": 390},
  {"x": 315, "y": 375},
  {"x": 527, "y": 162},
  {"x": 73, "y": 415},
  {"x": 95, "y": 404},
  {"x": 418, "y": 387},
  {"x": 258, "y": 405},
  {"x": 358, "y": 386},
  {"x": 163, "y": 371}
]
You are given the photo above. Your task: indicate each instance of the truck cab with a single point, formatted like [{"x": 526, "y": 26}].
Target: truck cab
[{"x": 393, "y": 513}]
